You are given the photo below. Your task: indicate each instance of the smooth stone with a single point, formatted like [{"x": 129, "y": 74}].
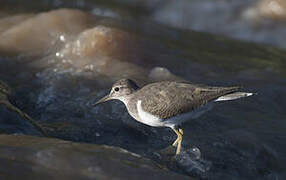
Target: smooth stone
[
  {"x": 59, "y": 93},
  {"x": 50, "y": 29},
  {"x": 43, "y": 158}
]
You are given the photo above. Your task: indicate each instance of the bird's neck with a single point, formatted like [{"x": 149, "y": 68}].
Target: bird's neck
[{"x": 125, "y": 99}]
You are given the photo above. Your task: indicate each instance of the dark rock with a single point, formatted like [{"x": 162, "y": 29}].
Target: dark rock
[
  {"x": 27, "y": 157},
  {"x": 57, "y": 87}
]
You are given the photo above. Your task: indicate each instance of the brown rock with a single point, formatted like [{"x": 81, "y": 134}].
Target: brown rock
[{"x": 37, "y": 33}]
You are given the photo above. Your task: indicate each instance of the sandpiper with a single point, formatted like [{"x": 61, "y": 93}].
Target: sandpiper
[{"x": 169, "y": 103}]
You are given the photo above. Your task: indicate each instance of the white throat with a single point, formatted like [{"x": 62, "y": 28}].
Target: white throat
[{"x": 123, "y": 99}]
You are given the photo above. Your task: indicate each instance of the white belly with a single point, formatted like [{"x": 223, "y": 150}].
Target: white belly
[
  {"x": 148, "y": 118},
  {"x": 151, "y": 120}
]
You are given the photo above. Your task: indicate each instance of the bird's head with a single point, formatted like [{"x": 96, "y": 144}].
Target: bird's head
[{"x": 120, "y": 90}]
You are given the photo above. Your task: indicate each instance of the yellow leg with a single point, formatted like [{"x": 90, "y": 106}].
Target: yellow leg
[
  {"x": 175, "y": 142},
  {"x": 178, "y": 141}
]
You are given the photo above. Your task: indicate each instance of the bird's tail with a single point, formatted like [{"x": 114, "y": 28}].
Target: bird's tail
[{"x": 233, "y": 96}]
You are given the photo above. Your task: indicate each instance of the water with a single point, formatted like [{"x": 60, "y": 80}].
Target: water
[{"x": 57, "y": 73}]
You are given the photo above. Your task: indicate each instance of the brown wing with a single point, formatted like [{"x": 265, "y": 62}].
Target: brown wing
[{"x": 167, "y": 99}]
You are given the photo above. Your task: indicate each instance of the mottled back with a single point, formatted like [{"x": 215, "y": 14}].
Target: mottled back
[{"x": 167, "y": 99}]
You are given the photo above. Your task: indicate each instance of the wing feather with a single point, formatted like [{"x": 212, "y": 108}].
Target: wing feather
[{"x": 167, "y": 99}]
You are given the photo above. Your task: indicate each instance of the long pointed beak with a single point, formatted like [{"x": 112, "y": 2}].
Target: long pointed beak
[{"x": 102, "y": 100}]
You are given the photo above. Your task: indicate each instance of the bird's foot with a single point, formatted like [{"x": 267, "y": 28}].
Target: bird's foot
[{"x": 175, "y": 143}]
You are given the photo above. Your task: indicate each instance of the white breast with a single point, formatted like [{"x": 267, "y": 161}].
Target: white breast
[
  {"x": 148, "y": 118},
  {"x": 151, "y": 120}
]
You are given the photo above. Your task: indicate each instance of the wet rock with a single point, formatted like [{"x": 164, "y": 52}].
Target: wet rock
[
  {"x": 272, "y": 9},
  {"x": 101, "y": 40},
  {"x": 188, "y": 162},
  {"x": 162, "y": 74},
  {"x": 13, "y": 123},
  {"x": 5, "y": 91},
  {"x": 87, "y": 62},
  {"x": 243, "y": 146},
  {"x": 46, "y": 29},
  {"x": 10, "y": 21},
  {"x": 41, "y": 158}
]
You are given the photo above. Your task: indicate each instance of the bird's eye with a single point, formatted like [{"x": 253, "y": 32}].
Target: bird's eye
[{"x": 116, "y": 89}]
